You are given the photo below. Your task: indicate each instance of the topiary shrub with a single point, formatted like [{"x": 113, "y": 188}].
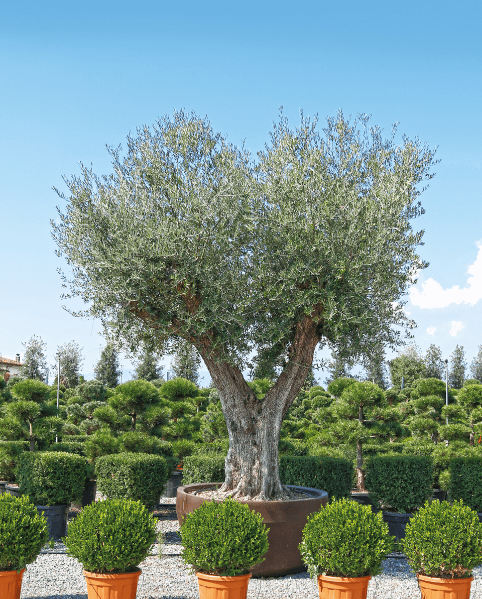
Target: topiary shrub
[
  {"x": 52, "y": 478},
  {"x": 178, "y": 388},
  {"x": 111, "y": 536},
  {"x": 69, "y": 447},
  {"x": 345, "y": 539},
  {"x": 400, "y": 482},
  {"x": 203, "y": 469},
  {"x": 137, "y": 476},
  {"x": 332, "y": 475},
  {"x": 465, "y": 481},
  {"x": 443, "y": 540},
  {"x": 23, "y": 532},
  {"x": 182, "y": 448},
  {"x": 223, "y": 539},
  {"x": 100, "y": 443}
]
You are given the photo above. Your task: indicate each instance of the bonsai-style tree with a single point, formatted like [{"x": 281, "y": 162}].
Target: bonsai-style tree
[
  {"x": 364, "y": 414},
  {"x": 467, "y": 412},
  {"x": 133, "y": 398},
  {"x": 188, "y": 238}
]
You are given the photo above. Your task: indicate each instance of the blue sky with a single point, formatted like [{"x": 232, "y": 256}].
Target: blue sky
[{"x": 78, "y": 76}]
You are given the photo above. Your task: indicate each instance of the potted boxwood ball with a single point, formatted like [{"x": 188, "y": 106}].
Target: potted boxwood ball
[
  {"x": 222, "y": 541},
  {"x": 344, "y": 545},
  {"x": 52, "y": 480},
  {"x": 23, "y": 533},
  {"x": 443, "y": 543},
  {"x": 110, "y": 539}
]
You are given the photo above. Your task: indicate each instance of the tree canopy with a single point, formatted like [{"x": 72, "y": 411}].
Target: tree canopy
[{"x": 190, "y": 238}]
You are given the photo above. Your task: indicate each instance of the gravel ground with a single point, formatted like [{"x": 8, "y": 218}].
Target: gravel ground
[{"x": 54, "y": 575}]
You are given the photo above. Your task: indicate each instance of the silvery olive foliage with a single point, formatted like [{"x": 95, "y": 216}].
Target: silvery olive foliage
[{"x": 192, "y": 235}]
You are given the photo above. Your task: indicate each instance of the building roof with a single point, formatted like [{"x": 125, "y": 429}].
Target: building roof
[{"x": 10, "y": 362}]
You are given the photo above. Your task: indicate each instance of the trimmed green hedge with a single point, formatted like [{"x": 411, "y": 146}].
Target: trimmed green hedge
[
  {"x": 138, "y": 476},
  {"x": 52, "y": 477},
  {"x": 76, "y": 438},
  {"x": 69, "y": 447},
  {"x": 466, "y": 481},
  {"x": 399, "y": 481},
  {"x": 333, "y": 475}
]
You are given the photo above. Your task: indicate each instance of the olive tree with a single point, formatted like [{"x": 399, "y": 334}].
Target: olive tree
[{"x": 188, "y": 237}]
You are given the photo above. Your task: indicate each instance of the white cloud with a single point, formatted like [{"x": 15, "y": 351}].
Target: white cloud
[
  {"x": 431, "y": 330},
  {"x": 434, "y": 296},
  {"x": 456, "y": 327}
]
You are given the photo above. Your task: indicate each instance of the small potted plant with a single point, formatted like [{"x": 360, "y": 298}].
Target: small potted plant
[
  {"x": 222, "y": 542},
  {"x": 110, "y": 539},
  {"x": 344, "y": 545},
  {"x": 443, "y": 543},
  {"x": 23, "y": 533}
]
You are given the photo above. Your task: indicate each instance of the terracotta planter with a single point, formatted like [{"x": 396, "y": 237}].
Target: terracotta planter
[
  {"x": 444, "y": 588},
  {"x": 285, "y": 520},
  {"x": 11, "y": 584},
  {"x": 222, "y": 587},
  {"x": 112, "y": 586},
  {"x": 331, "y": 587}
]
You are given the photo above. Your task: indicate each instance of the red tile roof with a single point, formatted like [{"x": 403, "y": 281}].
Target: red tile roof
[{"x": 9, "y": 361}]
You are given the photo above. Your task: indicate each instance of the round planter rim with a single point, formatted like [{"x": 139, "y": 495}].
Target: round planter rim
[
  {"x": 343, "y": 578},
  {"x": 209, "y": 487},
  {"x": 222, "y": 578},
  {"x": 424, "y": 577},
  {"x": 88, "y": 573},
  {"x": 10, "y": 572}
]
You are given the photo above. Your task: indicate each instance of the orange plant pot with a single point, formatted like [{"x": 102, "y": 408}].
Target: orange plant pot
[
  {"x": 112, "y": 586},
  {"x": 11, "y": 584},
  {"x": 334, "y": 587},
  {"x": 222, "y": 587},
  {"x": 444, "y": 588}
]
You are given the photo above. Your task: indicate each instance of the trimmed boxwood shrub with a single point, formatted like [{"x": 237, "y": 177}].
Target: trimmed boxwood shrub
[
  {"x": 223, "y": 539},
  {"x": 137, "y": 476},
  {"x": 466, "y": 481},
  {"x": 111, "y": 536},
  {"x": 399, "y": 481},
  {"x": 76, "y": 438},
  {"x": 333, "y": 475},
  {"x": 52, "y": 477},
  {"x": 443, "y": 540},
  {"x": 69, "y": 447},
  {"x": 345, "y": 539},
  {"x": 23, "y": 532},
  {"x": 207, "y": 468}
]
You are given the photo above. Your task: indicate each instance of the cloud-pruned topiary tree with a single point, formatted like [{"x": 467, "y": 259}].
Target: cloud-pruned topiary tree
[{"x": 188, "y": 238}]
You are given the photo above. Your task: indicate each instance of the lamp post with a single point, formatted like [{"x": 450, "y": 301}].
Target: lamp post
[{"x": 446, "y": 386}]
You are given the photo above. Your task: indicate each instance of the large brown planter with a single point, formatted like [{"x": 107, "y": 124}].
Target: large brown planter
[
  {"x": 222, "y": 587},
  {"x": 444, "y": 588},
  {"x": 330, "y": 587},
  {"x": 112, "y": 586},
  {"x": 285, "y": 520}
]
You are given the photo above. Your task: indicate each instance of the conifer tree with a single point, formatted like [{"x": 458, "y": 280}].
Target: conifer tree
[
  {"x": 476, "y": 366},
  {"x": 186, "y": 362},
  {"x": 147, "y": 368},
  {"x": 107, "y": 370},
  {"x": 434, "y": 363},
  {"x": 457, "y": 368}
]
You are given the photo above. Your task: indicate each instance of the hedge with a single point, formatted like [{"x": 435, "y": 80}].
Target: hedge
[
  {"x": 399, "y": 481},
  {"x": 333, "y": 475},
  {"x": 69, "y": 447},
  {"x": 466, "y": 481},
  {"x": 51, "y": 477},
  {"x": 137, "y": 476}
]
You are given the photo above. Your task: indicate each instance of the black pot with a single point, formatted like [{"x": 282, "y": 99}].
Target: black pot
[
  {"x": 439, "y": 495},
  {"x": 396, "y": 523},
  {"x": 56, "y": 516},
  {"x": 88, "y": 496},
  {"x": 479, "y": 514},
  {"x": 170, "y": 488},
  {"x": 13, "y": 490},
  {"x": 364, "y": 499},
  {"x": 3, "y": 483}
]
